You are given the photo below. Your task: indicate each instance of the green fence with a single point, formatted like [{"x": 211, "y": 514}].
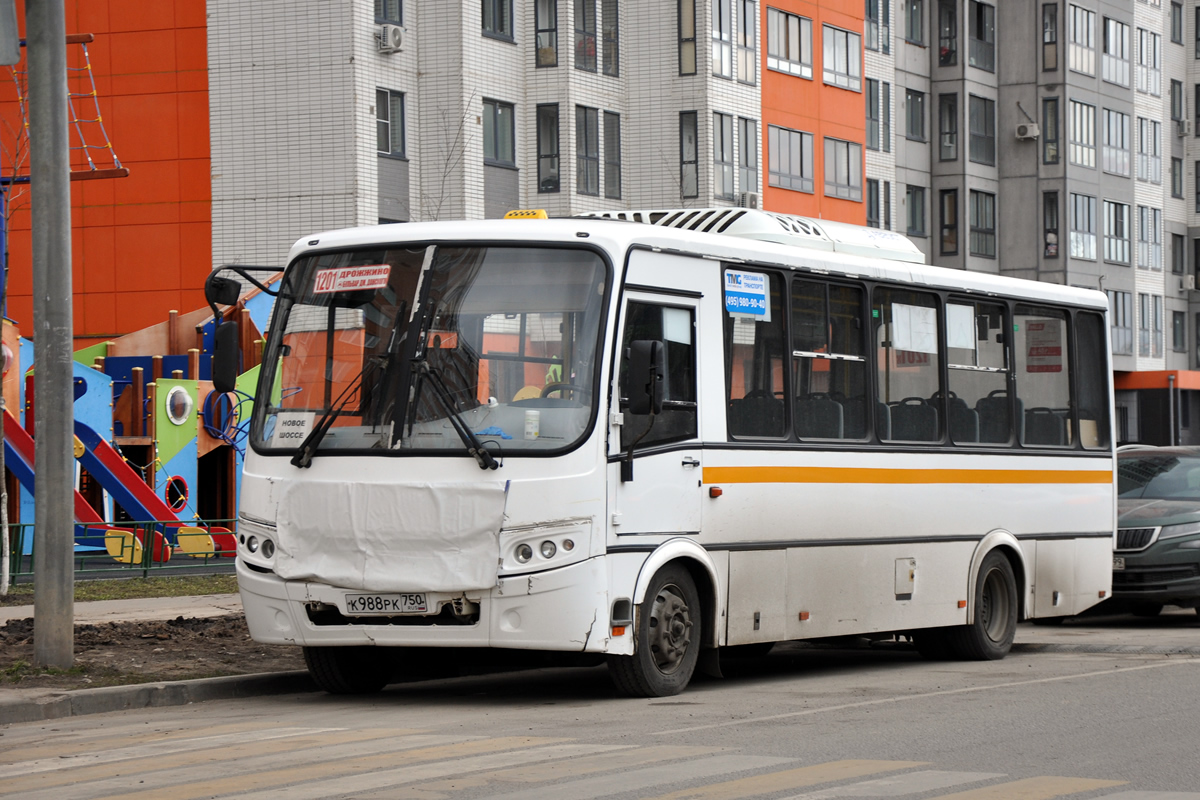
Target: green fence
[{"x": 131, "y": 549}]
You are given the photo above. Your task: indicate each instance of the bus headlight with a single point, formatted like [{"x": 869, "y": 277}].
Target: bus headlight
[
  {"x": 268, "y": 548},
  {"x": 548, "y": 549},
  {"x": 252, "y": 544},
  {"x": 524, "y": 553}
]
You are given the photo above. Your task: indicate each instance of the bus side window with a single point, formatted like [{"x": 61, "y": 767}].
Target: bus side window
[
  {"x": 828, "y": 361},
  {"x": 755, "y": 380},
  {"x": 907, "y": 362},
  {"x": 1091, "y": 381},
  {"x": 978, "y": 408},
  {"x": 1043, "y": 375},
  {"x": 676, "y": 328}
]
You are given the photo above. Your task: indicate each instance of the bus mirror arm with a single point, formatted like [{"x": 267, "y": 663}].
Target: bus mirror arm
[{"x": 647, "y": 358}]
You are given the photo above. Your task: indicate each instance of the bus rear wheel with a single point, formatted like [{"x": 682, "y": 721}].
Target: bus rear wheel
[
  {"x": 348, "y": 670},
  {"x": 667, "y": 638},
  {"x": 989, "y": 636}
]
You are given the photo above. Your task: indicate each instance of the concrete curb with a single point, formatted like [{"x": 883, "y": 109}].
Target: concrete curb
[{"x": 146, "y": 695}]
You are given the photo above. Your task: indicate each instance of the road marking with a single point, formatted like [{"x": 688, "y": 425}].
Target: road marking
[
  {"x": 1041, "y": 788},
  {"x": 922, "y": 696},
  {"x": 341, "y": 745},
  {"x": 1153, "y": 796},
  {"x": 789, "y": 779},
  {"x": 302, "y": 773},
  {"x": 619, "y": 781},
  {"x": 389, "y": 778},
  {"x": 112, "y": 737},
  {"x": 898, "y": 785}
]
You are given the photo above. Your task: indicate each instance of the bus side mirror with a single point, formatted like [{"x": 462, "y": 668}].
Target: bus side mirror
[
  {"x": 647, "y": 369},
  {"x": 224, "y": 291},
  {"x": 226, "y": 355}
]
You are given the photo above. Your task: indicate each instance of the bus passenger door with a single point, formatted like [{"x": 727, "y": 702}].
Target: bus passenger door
[{"x": 657, "y": 490}]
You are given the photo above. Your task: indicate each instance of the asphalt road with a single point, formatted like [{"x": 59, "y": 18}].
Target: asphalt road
[{"x": 802, "y": 723}]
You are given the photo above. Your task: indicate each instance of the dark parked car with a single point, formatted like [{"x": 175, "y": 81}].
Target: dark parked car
[{"x": 1157, "y": 558}]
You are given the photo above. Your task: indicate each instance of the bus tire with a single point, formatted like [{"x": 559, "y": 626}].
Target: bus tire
[
  {"x": 990, "y": 636},
  {"x": 667, "y": 638},
  {"x": 347, "y": 670}
]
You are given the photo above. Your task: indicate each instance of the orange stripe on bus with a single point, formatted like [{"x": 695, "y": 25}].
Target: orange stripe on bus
[{"x": 872, "y": 475}]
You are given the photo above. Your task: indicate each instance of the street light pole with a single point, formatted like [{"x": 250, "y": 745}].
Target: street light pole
[{"x": 50, "y": 205}]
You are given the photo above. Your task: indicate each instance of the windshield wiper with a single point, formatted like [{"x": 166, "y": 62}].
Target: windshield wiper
[
  {"x": 308, "y": 448},
  {"x": 444, "y": 396}
]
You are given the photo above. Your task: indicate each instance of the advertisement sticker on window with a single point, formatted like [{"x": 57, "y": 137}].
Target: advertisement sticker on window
[
  {"x": 1044, "y": 341},
  {"x": 746, "y": 295}
]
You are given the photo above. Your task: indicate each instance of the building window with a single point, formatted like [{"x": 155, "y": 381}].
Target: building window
[
  {"x": 879, "y": 204},
  {"x": 612, "y": 155},
  {"x": 1178, "y": 331},
  {"x": 1148, "y": 75},
  {"x": 389, "y": 123},
  {"x": 1176, "y": 23},
  {"x": 877, "y": 25},
  {"x": 885, "y": 110},
  {"x": 887, "y": 205},
  {"x": 1081, "y": 40},
  {"x": 1149, "y": 161},
  {"x": 1083, "y": 226},
  {"x": 687, "y": 37},
  {"x": 879, "y": 115},
  {"x": 1082, "y": 134},
  {"x": 1050, "y": 137},
  {"x": 722, "y": 38},
  {"x": 872, "y": 95},
  {"x": 1115, "y": 155},
  {"x": 872, "y": 203},
  {"x": 585, "y": 35},
  {"x": 1143, "y": 325},
  {"x": 587, "y": 151},
  {"x": 389, "y": 11},
  {"x": 1114, "y": 63},
  {"x": 1150, "y": 238},
  {"x": 499, "y": 134},
  {"x": 789, "y": 43},
  {"x": 983, "y": 224},
  {"x": 914, "y": 115},
  {"x": 789, "y": 159},
  {"x": 747, "y": 67},
  {"x": 1177, "y": 177},
  {"x": 547, "y": 145},
  {"x": 1049, "y": 37},
  {"x": 1156, "y": 332},
  {"x": 981, "y": 47},
  {"x": 1196, "y": 30},
  {"x": 843, "y": 169},
  {"x": 947, "y": 127},
  {"x": 914, "y": 22},
  {"x": 689, "y": 177},
  {"x": 1178, "y": 254},
  {"x": 949, "y": 221},
  {"x": 842, "y": 58},
  {"x": 1120, "y": 307},
  {"x": 947, "y": 33},
  {"x": 914, "y": 204},
  {"x": 1116, "y": 232},
  {"x": 1176, "y": 100},
  {"x": 498, "y": 18},
  {"x": 981, "y": 122},
  {"x": 545, "y": 23},
  {"x": 1050, "y": 224},
  {"x": 610, "y": 29},
  {"x": 723, "y": 156},
  {"x": 747, "y": 155}
]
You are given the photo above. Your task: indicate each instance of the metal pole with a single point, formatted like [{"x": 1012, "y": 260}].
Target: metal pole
[
  {"x": 1171, "y": 408},
  {"x": 50, "y": 205}
]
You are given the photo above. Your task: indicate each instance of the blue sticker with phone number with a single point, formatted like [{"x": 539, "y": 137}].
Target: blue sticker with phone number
[{"x": 745, "y": 292}]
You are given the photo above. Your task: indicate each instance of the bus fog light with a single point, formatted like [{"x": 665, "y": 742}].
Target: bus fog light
[
  {"x": 568, "y": 545},
  {"x": 548, "y": 549},
  {"x": 524, "y": 553},
  {"x": 252, "y": 544},
  {"x": 268, "y": 548}
]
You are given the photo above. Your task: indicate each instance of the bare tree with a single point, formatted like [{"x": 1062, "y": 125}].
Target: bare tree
[{"x": 448, "y": 154}]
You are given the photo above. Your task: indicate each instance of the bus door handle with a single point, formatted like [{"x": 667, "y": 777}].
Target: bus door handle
[{"x": 690, "y": 462}]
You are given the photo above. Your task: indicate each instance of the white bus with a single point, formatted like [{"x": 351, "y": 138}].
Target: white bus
[{"x": 656, "y": 435}]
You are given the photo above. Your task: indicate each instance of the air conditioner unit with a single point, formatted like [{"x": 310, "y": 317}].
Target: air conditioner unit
[
  {"x": 1187, "y": 283},
  {"x": 1028, "y": 130},
  {"x": 747, "y": 200},
  {"x": 1184, "y": 127},
  {"x": 390, "y": 38}
]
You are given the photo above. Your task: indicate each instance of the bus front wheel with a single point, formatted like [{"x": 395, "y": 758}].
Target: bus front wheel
[
  {"x": 990, "y": 636},
  {"x": 667, "y": 638},
  {"x": 347, "y": 670}
]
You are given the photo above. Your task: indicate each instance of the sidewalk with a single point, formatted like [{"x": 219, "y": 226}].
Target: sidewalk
[{"x": 1175, "y": 632}]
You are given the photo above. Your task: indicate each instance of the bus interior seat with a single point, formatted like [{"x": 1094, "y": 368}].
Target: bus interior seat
[
  {"x": 883, "y": 420},
  {"x": 1044, "y": 426},
  {"x": 818, "y": 416},
  {"x": 914, "y": 420},
  {"x": 757, "y": 414},
  {"x": 964, "y": 420},
  {"x": 994, "y": 419}
]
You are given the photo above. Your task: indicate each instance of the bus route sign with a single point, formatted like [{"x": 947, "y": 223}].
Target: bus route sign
[{"x": 746, "y": 294}]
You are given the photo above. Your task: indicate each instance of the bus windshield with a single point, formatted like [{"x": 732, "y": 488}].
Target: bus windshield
[{"x": 414, "y": 348}]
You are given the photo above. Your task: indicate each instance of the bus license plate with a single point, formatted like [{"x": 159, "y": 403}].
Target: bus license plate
[
  {"x": 367, "y": 604},
  {"x": 1118, "y": 562}
]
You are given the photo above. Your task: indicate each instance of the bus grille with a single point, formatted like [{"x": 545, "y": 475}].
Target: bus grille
[{"x": 1134, "y": 538}]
